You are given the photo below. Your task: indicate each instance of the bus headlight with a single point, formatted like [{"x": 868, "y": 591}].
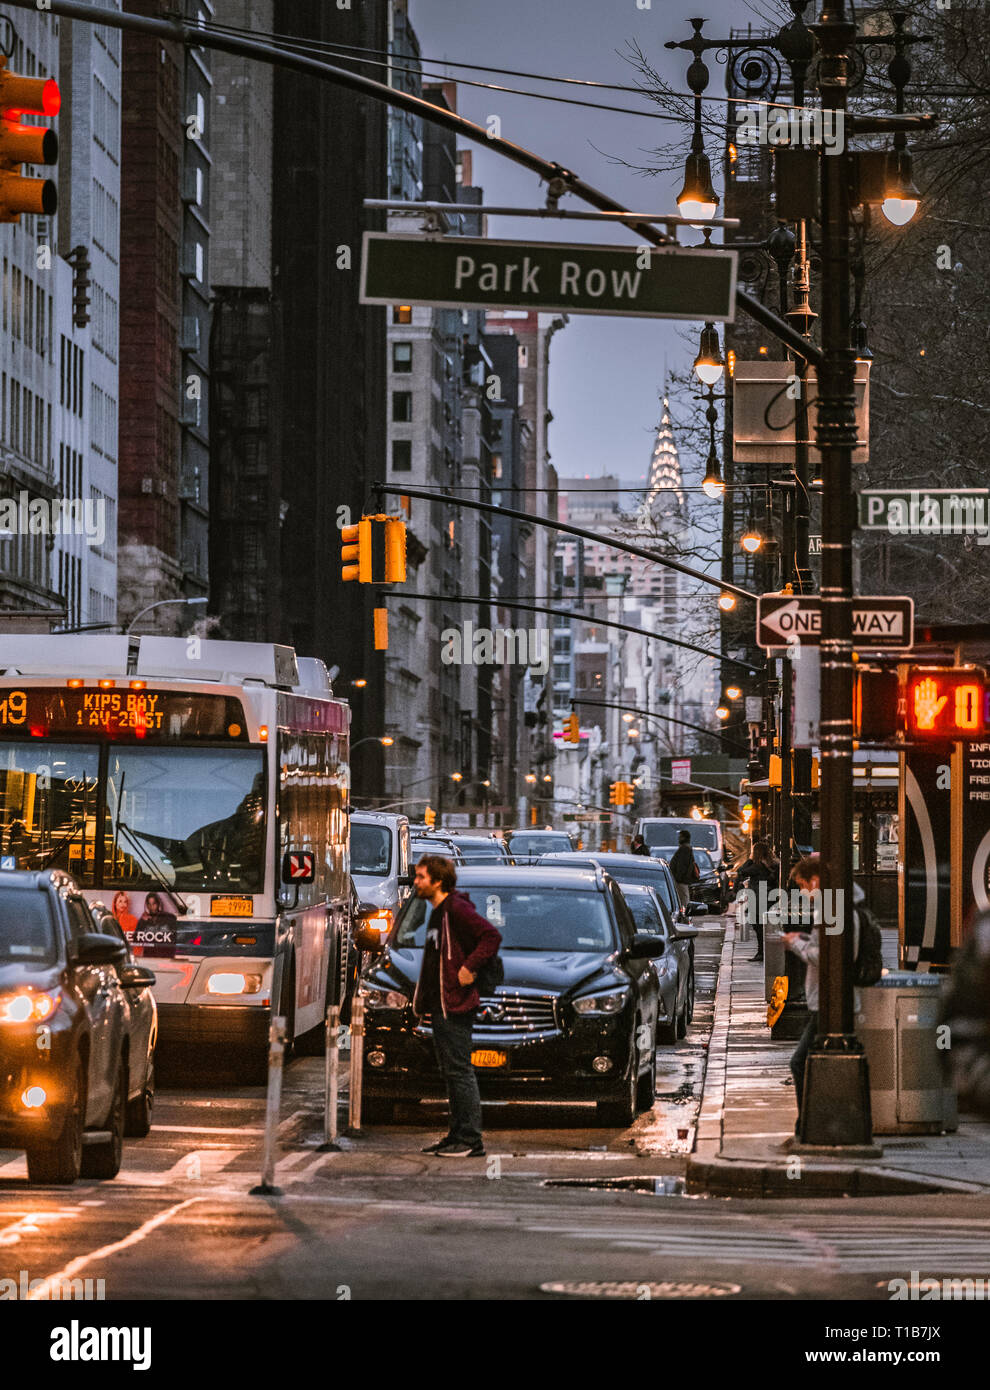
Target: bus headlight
[{"x": 228, "y": 982}]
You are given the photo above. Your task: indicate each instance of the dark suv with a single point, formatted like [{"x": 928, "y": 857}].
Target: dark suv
[
  {"x": 574, "y": 1020},
  {"x": 76, "y": 1056}
]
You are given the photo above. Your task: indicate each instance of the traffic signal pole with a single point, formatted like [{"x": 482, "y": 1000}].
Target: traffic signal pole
[{"x": 558, "y": 179}]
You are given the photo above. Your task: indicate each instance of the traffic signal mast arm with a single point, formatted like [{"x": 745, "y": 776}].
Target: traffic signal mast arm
[
  {"x": 561, "y": 180},
  {"x": 722, "y": 585},
  {"x": 659, "y": 714}
]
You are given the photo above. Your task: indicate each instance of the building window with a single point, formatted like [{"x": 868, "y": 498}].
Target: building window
[
  {"x": 402, "y": 357},
  {"x": 401, "y": 455},
  {"x": 402, "y": 406},
  {"x": 402, "y": 313}
]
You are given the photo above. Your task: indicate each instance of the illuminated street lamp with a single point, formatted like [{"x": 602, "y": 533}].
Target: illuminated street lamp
[
  {"x": 530, "y": 776},
  {"x": 726, "y": 602},
  {"x": 457, "y": 776},
  {"x": 723, "y": 712},
  {"x": 733, "y": 692},
  {"x": 713, "y": 484},
  {"x": 708, "y": 364}
]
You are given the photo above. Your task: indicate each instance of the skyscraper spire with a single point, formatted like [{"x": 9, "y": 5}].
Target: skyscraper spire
[{"x": 665, "y": 485}]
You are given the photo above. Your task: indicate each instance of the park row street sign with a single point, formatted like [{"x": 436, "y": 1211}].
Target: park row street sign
[
  {"x": 474, "y": 273},
  {"x": 933, "y": 511},
  {"x": 785, "y": 619}
]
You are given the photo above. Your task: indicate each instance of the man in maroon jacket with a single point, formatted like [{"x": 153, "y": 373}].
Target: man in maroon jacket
[{"x": 458, "y": 941}]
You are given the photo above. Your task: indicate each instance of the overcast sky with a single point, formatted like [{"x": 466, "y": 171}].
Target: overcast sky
[{"x": 606, "y": 373}]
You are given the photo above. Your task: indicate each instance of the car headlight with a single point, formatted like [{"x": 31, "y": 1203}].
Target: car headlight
[
  {"x": 376, "y": 997},
  {"x": 28, "y": 1006},
  {"x": 380, "y": 920},
  {"x": 230, "y": 982},
  {"x": 608, "y": 1002}
]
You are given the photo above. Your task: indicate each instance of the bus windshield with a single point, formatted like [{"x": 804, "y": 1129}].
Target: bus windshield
[{"x": 189, "y": 818}]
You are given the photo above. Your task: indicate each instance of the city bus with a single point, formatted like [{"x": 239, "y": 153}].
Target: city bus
[{"x": 199, "y": 790}]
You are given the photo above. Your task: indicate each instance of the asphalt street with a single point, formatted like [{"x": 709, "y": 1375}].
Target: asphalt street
[{"x": 560, "y": 1208}]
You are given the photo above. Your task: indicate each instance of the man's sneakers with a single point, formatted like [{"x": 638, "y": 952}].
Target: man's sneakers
[
  {"x": 443, "y": 1143},
  {"x": 461, "y": 1151}
]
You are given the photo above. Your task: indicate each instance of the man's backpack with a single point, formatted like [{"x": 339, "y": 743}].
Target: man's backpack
[
  {"x": 491, "y": 973},
  {"x": 869, "y": 957}
]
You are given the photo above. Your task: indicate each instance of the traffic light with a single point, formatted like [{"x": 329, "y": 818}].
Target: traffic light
[
  {"x": 355, "y": 544},
  {"x": 26, "y": 144},
  {"x": 572, "y": 729},
  {"x": 78, "y": 258},
  {"x": 429, "y": 818},
  {"x": 945, "y": 702},
  {"x": 875, "y": 699},
  {"x": 395, "y": 550},
  {"x": 620, "y": 794},
  {"x": 613, "y": 794}
]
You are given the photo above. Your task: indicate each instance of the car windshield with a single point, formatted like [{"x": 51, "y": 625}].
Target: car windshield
[
  {"x": 539, "y": 844},
  {"x": 663, "y": 835},
  {"x": 27, "y": 933},
  {"x": 529, "y": 918},
  {"x": 704, "y": 861},
  {"x": 643, "y": 908},
  {"x": 419, "y": 848},
  {"x": 371, "y": 849},
  {"x": 188, "y": 817}
]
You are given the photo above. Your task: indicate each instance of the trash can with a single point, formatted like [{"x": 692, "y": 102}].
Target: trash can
[{"x": 897, "y": 1022}]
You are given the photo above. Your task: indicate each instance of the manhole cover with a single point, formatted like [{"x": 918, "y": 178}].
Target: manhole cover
[
  {"x": 642, "y": 1291},
  {"x": 655, "y": 1187}
]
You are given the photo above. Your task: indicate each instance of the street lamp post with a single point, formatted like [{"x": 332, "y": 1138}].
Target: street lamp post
[
  {"x": 836, "y": 1102},
  {"x": 161, "y": 603}
]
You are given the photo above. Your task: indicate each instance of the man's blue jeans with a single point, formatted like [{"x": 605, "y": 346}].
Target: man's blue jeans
[
  {"x": 801, "y": 1054},
  {"x": 452, "y": 1039}
]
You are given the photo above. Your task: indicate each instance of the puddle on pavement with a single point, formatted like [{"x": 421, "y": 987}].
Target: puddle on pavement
[{"x": 651, "y": 1186}]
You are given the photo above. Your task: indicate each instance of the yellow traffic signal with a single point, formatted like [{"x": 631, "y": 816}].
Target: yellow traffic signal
[
  {"x": 355, "y": 544},
  {"x": 429, "y": 817},
  {"x": 572, "y": 729},
  {"x": 26, "y": 144},
  {"x": 776, "y": 774},
  {"x": 381, "y": 629},
  {"x": 613, "y": 794},
  {"x": 626, "y": 793},
  {"x": 395, "y": 550},
  {"x": 816, "y": 776}
]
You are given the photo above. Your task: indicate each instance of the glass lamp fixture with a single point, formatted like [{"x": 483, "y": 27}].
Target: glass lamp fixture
[
  {"x": 751, "y": 540},
  {"x": 457, "y": 776},
  {"x": 726, "y": 602},
  {"x": 530, "y": 776},
  {"x": 697, "y": 200},
  {"x": 722, "y": 712},
  {"x": 547, "y": 777},
  {"x": 901, "y": 196},
  {"x": 628, "y": 718},
  {"x": 634, "y": 733},
  {"x": 708, "y": 364},
  {"x": 713, "y": 485},
  {"x": 732, "y": 692}
]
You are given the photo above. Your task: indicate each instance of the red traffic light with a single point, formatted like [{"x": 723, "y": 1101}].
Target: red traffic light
[
  {"x": 33, "y": 96},
  {"x": 946, "y": 702},
  {"x": 26, "y": 144}
]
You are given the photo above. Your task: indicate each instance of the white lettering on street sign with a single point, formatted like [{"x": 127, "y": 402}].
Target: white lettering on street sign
[{"x": 876, "y": 621}]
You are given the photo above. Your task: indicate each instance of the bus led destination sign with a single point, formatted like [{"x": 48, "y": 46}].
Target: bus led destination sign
[
  {"x": 473, "y": 272},
  {"x": 129, "y": 715}
]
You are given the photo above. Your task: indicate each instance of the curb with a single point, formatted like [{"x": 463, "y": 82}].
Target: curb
[{"x": 706, "y": 1171}]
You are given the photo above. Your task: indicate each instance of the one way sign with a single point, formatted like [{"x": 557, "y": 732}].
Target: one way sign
[{"x": 784, "y": 619}]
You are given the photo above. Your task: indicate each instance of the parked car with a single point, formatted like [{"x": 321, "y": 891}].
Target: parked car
[
  {"x": 482, "y": 849},
  {"x": 76, "y": 1046},
  {"x": 632, "y": 868},
  {"x": 574, "y": 1020},
  {"x": 675, "y": 968},
  {"x": 380, "y": 864},
  {"x": 526, "y": 846},
  {"x": 712, "y": 888},
  {"x": 142, "y": 1023},
  {"x": 661, "y": 832}
]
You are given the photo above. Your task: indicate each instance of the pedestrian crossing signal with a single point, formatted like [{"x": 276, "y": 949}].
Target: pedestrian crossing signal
[{"x": 946, "y": 702}]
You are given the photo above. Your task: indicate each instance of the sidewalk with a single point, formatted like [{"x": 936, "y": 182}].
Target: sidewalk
[{"x": 748, "y": 1110}]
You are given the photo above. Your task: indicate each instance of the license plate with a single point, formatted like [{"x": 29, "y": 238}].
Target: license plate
[
  {"x": 489, "y": 1059},
  {"x": 231, "y": 907}
]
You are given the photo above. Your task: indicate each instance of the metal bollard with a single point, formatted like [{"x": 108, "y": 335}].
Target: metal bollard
[
  {"x": 331, "y": 1080},
  {"x": 276, "y": 1057},
  {"x": 357, "y": 1063}
]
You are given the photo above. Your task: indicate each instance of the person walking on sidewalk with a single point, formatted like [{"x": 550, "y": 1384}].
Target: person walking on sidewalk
[
  {"x": 760, "y": 867},
  {"x": 684, "y": 868},
  {"x": 458, "y": 941},
  {"x": 807, "y": 876}
]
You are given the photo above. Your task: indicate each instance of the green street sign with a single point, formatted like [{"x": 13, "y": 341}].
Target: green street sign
[
  {"x": 933, "y": 511},
  {"x": 474, "y": 273}
]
